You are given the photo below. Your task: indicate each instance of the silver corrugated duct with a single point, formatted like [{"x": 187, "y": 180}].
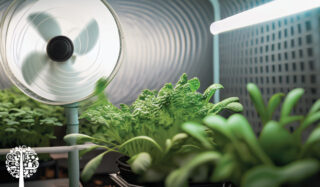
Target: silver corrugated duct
[
  {"x": 4, "y": 81},
  {"x": 163, "y": 40}
]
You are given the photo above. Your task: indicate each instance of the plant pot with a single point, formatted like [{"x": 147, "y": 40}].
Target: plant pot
[
  {"x": 132, "y": 178},
  {"x": 125, "y": 170}
]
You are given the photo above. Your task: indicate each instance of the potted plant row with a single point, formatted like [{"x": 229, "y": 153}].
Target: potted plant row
[
  {"x": 148, "y": 132},
  {"x": 175, "y": 137},
  {"x": 277, "y": 157},
  {"x": 24, "y": 121}
]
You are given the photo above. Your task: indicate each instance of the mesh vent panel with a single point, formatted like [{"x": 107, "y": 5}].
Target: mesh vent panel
[{"x": 277, "y": 56}]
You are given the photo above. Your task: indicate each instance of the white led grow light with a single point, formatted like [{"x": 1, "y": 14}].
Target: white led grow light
[{"x": 267, "y": 12}]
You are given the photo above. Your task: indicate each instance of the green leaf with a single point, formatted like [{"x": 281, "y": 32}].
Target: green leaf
[
  {"x": 315, "y": 107},
  {"x": 209, "y": 92},
  {"x": 91, "y": 167},
  {"x": 262, "y": 176},
  {"x": 311, "y": 119},
  {"x": 10, "y": 130},
  {"x": 178, "y": 140},
  {"x": 290, "y": 101},
  {"x": 28, "y": 121},
  {"x": 182, "y": 81},
  {"x": 78, "y": 138},
  {"x": 218, "y": 123},
  {"x": 101, "y": 85},
  {"x": 198, "y": 131},
  {"x": 314, "y": 136},
  {"x": 50, "y": 136},
  {"x": 300, "y": 170},
  {"x": 273, "y": 104},
  {"x": 224, "y": 169},
  {"x": 310, "y": 145},
  {"x": 140, "y": 162},
  {"x": 258, "y": 102},
  {"x": 194, "y": 84},
  {"x": 179, "y": 177},
  {"x": 290, "y": 119},
  {"x": 143, "y": 138},
  {"x": 235, "y": 107},
  {"x": 25, "y": 130},
  {"x": 266, "y": 176},
  {"x": 278, "y": 143},
  {"x": 222, "y": 105},
  {"x": 241, "y": 129},
  {"x": 11, "y": 123}
]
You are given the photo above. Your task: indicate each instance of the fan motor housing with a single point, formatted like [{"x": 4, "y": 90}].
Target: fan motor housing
[{"x": 60, "y": 48}]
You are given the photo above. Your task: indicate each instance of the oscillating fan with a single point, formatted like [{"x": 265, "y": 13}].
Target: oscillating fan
[{"x": 56, "y": 51}]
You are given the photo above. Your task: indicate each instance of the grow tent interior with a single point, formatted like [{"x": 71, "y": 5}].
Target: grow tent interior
[{"x": 167, "y": 38}]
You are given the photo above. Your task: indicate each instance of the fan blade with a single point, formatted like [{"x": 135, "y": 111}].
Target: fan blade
[
  {"x": 45, "y": 24},
  {"x": 87, "y": 39},
  {"x": 32, "y": 66}
]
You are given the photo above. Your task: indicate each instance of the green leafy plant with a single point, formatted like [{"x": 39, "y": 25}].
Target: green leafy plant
[
  {"x": 149, "y": 130},
  {"x": 275, "y": 158},
  {"x": 24, "y": 121}
]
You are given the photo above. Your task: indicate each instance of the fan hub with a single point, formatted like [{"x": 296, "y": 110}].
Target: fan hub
[{"x": 60, "y": 48}]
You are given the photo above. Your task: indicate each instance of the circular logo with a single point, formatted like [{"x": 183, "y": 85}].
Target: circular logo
[{"x": 23, "y": 161}]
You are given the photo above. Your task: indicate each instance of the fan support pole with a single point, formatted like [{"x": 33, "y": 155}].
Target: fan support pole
[{"x": 71, "y": 112}]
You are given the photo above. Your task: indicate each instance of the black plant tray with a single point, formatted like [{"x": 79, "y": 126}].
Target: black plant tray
[{"x": 126, "y": 173}]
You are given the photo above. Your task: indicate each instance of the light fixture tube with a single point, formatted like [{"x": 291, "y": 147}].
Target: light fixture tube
[{"x": 267, "y": 12}]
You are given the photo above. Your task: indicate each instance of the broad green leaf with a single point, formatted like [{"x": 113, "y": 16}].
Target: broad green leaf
[
  {"x": 178, "y": 140},
  {"x": 300, "y": 170},
  {"x": 4, "y": 114},
  {"x": 218, "y": 123},
  {"x": 262, "y": 176},
  {"x": 311, "y": 119},
  {"x": 10, "y": 130},
  {"x": 168, "y": 145},
  {"x": 273, "y": 103},
  {"x": 78, "y": 138},
  {"x": 290, "y": 119},
  {"x": 222, "y": 105},
  {"x": 92, "y": 166},
  {"x": 50, "y": 136},
  {"x": 290, "y": 101},
  {"x": 235, "y": 107},
  {"x": 179, "y": 177},
  {"x": 28, "y": 121},
  {"x": 267, "y": 176},
  {"x": 25, "y": 130},
  {"x": 241, "y": 129},
  {"x": 140, "y": 162},
  {"x": 314, "y": 136},
  {"x": 224, "y": 169},
  {"x": 278, "y": 143},
  {"x": 258, "y": 102},
  {"x": 315, "y": 107},
  {"x": 210, "y": 91},
  {"x": 197, "y": 131},
  {"x": 142, "y": 138},
  {"x": 310, "y": 145},
  {"x": 10, "y": 122}
]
